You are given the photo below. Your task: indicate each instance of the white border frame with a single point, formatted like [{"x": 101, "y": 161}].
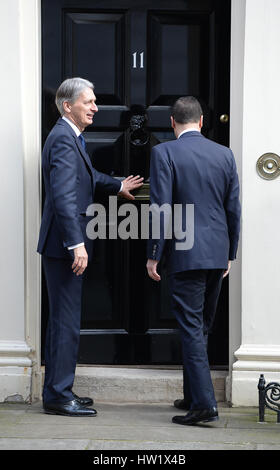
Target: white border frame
[
  {"x": 238, "y": 9},
  {"x": 30, "y": 21},
  {"x": 31, "y": 83}
]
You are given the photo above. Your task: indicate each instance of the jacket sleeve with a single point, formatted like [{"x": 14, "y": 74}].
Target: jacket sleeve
[
  {"x": 233, "y": 210},
  {"x": 63, "y": 190},
  {"x": 160, "y": 211},
  {"x": 106, "y": 183}
]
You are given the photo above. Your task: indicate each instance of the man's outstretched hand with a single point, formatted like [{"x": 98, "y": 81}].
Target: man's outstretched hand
[{"x": 129, "y": 184}]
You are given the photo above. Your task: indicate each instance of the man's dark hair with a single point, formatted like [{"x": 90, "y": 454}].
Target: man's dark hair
[{"x": 186, "y": 109}]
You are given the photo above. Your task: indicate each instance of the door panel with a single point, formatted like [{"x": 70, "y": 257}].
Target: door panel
[
  {"x": 107, "y": 35},
  {"x": 177, "y": 42},
  {"x": 141, "y": 59},
  {"x": 106, "y": 150}
]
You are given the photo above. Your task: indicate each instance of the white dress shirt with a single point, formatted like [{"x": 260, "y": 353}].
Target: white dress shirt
[
  {"x": 191, "y": 129},
  {"x": 74, "y": 127}
]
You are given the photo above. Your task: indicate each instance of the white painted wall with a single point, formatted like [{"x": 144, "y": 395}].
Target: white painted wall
[
  {"x": 19, "y": 199},
  {"x": 261, "y": 201},
  {"x": 30, "y": 54},
  {"x": 11, "y": 188},
  {"x": 259, "y": 118}
]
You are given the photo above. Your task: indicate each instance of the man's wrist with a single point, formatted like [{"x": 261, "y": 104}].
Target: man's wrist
[{"x": 75, "y": 246}]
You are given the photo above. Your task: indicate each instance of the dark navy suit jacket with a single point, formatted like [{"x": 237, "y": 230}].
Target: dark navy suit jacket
[
  {"x": 70, "y": 181},
  {"x": 195, "y": 170}
]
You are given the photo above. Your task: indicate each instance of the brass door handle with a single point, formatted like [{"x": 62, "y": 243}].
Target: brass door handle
[
  {"x": 143, "y": 193},
  {"x": 224, "y": 118}
]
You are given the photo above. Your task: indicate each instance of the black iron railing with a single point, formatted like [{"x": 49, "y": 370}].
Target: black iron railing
[{"x": 269, "y": 396}]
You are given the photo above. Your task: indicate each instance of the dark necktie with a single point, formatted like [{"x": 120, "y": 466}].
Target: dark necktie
[{"x": 83, "y": 142}]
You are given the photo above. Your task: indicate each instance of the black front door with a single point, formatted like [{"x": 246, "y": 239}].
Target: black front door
[{"x": 141, "y": 56}]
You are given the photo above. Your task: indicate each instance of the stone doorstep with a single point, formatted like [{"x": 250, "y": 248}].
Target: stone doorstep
[{"x": 137, "y": 384}]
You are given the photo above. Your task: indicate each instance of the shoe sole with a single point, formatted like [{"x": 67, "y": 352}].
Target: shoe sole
[
  {"x": 214, "y": 418},
  {"x": 68, "y": 414}
]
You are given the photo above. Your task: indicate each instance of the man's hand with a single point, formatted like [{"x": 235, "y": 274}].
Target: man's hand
[
  {"x": 152, "y": 269},
  {"x": 228, "y": 269},
  {"x": 130, "y": 183},
  {"x": 80, "y": 261}
]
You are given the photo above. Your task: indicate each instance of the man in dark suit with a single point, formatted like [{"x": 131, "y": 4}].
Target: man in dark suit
[
  {"x": 200, "y": 173},
  {"x": 70, "y": 182}
]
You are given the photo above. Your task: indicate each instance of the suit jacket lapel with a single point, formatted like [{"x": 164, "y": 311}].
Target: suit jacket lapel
[
  {"x": 84, "y": 154},
  {"x": 78, "y": 143}
]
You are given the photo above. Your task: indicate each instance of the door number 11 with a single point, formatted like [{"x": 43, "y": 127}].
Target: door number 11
[{"x": 134, "y": 55}]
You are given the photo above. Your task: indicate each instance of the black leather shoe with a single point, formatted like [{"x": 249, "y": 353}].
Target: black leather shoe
[
  {"x": 181, "y": 405},
  {"x": 84, "y": 401},
  {"x": 70, "y": 408},
  {"x": 197, "y": 416}
]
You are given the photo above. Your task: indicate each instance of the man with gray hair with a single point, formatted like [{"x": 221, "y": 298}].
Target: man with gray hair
[{"x": 70, "y": 182}]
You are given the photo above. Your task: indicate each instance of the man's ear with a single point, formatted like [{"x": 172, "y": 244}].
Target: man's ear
[
  {"x": 201, "y": 122},
  {"x": 66, "y": 107},
  {"x": 172, "y": 122}
]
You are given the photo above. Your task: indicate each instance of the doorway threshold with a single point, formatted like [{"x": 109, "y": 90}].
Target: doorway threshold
[{"x": 138, "y": 384}]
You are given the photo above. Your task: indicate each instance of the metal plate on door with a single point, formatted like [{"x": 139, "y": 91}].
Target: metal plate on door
[{"x": 268, "y": 166}]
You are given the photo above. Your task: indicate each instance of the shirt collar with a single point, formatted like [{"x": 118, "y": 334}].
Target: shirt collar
[
  {"x": 190, "y": 129},
  {"x": 74, "y": 127}
]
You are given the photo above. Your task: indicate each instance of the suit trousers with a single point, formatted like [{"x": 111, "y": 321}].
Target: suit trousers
[
  {"x": 194, "y": 297},
  {"x": 63, "y": 330}
]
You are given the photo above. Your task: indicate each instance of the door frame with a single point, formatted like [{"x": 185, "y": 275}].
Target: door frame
[{"x": 31, "y": 81}]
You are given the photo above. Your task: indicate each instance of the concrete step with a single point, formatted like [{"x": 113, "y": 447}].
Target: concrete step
[{"x": 137, "y": 384}]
